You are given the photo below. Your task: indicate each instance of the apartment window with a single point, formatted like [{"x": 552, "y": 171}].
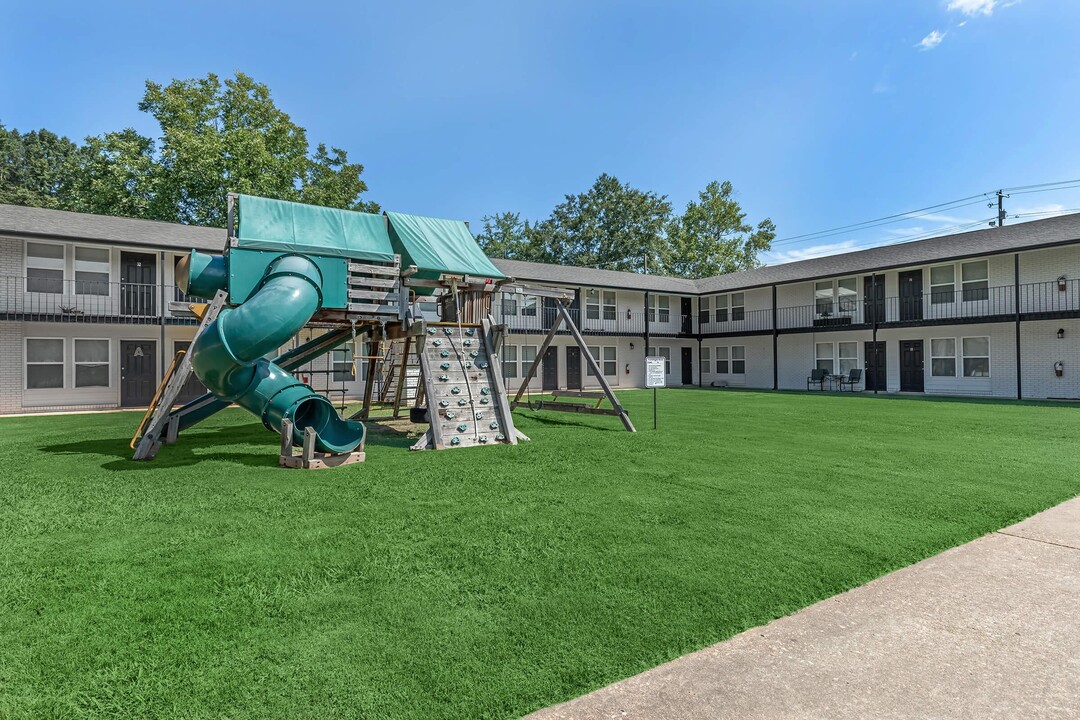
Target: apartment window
[
  {"x": 509, "y": 305},
  {"x": 91, "y": 363},
  {"x": 528, "y": 357},
  {"x": 606, "y": 357},
  {"x": 703, "y": 310},
  {"x": 823, "y": 354},
  {"x": 823, "y": 297},
  {"x": 44, "y": 363},
  {"x": 592, "y": 304},
  {"x": 975, "y": 280},
  {"x": 847, "y": 294},
  {"x": 341, "y": 365},
  {"x": 528, "y": 306},
  {"x": 91, "y": 271},
  {"x": 706, "y": 359},
  {"x": 738, "y": 360},
  {"x": 659, "y": 307},
  {"x": 942, "y": 284},
  {"x": 943, "y": 357},
  {"x": 721, "y": 308},
  {"x": 44, "y": 268},
  {"x": 722, "y": 366},
  {"x": 976, "y": 356},
  {"x": 842, "y": 294},
  {"x": 608, "y": 299},
  {"x": 510, "y": 361},
  {"x": 849, "y": 356},
  {"x": 738, "y": 306}
]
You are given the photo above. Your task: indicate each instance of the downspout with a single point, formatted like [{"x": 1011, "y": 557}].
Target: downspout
[
  {"x": 1016, "y": 311},
  {"x": 775, "y": 341},
  {"x": 161, "y": 309}
]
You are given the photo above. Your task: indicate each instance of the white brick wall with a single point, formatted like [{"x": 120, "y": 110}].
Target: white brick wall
[
  {"x": 1041, "y": 349},
  {"x": 11, "y": 366}
]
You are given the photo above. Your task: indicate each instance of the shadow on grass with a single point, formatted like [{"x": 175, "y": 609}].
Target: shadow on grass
[
  {"x": 191, "y": 449},
  {"x": 559, "y": 419},
  {"x": 204, "y": 445}
]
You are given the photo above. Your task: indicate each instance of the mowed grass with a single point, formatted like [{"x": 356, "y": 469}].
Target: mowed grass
[{"x": 480, "y": 582}]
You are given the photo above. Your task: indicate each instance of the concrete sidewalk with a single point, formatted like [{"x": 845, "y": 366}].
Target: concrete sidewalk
[{"x": 990, "y": 629}]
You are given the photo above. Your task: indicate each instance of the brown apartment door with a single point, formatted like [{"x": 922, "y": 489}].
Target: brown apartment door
[
  {"x": 911, "y": 366},
  {"x": 551, "y": 369},
  {"x": 138, "y": 372},
  {"x": 138, "y": 272},
  {"x": 875, "y": 366},
  {"x": 573, "y": 367},
  {"x": 911, "y": 295}
]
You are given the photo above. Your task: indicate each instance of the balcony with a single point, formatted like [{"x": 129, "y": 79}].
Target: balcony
[
  {"x": 538, "y": 320},
  {"x": 737, "y": 321},
  {"x": 49, "y": 300}
]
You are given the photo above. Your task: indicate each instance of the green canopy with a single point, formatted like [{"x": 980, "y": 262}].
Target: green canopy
[
  {"x": 283, "y": 226},
  {"x": 438, "y": 247}
]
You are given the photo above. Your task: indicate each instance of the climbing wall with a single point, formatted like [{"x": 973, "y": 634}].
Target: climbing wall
[{"x": 466, "y": 401}]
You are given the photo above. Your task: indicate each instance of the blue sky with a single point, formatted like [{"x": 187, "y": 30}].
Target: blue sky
[{"x": 821, "y": 113}]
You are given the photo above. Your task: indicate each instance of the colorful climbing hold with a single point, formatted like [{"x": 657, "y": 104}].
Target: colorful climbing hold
[
  {"x": 462, "y": 427},
  {"x": 455, "y": 441},
  {"x": 455, "y": 390}
]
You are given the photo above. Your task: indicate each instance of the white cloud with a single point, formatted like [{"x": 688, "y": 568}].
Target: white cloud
[
  {"x": 931, "y": 41},
  {"x": 777, "y": 257},
  {"x": 974, "y": 7}
]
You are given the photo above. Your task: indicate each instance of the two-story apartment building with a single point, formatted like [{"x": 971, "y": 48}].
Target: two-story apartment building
[{"x": 85, "y": 320}]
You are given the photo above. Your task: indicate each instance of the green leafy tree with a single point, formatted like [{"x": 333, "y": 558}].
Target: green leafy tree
[
  {"x": 506, "y": 236},
  {"x": 215, "y": 138},
  {"x": 712, "y": 236},
  {"x": 37, "y": 168},
  {"x": 611, "y": 226}
]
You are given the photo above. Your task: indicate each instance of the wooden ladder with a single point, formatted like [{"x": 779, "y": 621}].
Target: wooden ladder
[{"x": 147, "y": 439}]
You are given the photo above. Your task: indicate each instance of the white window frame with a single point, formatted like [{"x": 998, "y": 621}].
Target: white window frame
[
  {"x": 660, "y": 311},
  {"x": 726, "y": 301},
  {"x": 75, "y": 363},
  {"x": 837, "y": 304},
  {"x": 704, "y": 308},
  {"x": 933, "y": 357},
  {"x": 852, "y": 360},
  {"x": 347, "y": 361},
  {"x": 737, "y": 306},
  {"x": 75, "y": 269},
  {"x": 509, "y": 305},
  {"x": 738, "y": 356},
  {"x": 510, "y": 361},
  {"x": 523, "y": 362},
  {"x": 26, "y": 266},
  {"x": 723, "y": 355},
  {"x": 965, "y": 357},
  {"x": 942, "y": 297},
  {"x": 819, "y": 358},
  {"x": 62, "y": 364},
  {"x": 706, "y": 358},
  {"x": 529, "y": 305},
  {"x": 965, "y": 291},
  {"x": 601, "y": 360}
]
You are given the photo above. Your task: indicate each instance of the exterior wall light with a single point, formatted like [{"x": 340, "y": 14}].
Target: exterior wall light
[
  {"x": 1061, "y": 333},
  {"x": 1062, "y": 284}
]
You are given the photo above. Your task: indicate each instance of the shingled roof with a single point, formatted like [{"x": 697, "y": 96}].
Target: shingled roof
[
  {"x": 19, "y": 221},
  {"x": 1060, "y": 230},
  {"x": 1065, "y": 229}
]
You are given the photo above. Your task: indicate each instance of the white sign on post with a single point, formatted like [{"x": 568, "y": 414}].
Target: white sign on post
[{"x": 655, "y": 371}]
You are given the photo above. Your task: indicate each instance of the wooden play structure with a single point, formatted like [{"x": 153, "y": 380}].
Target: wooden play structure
[{"x": 344, "y": 277}]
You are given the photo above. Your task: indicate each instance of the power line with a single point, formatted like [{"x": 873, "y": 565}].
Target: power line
[
  {"x": 897, "y": 217},
  {"x": 929, "y": 210}
]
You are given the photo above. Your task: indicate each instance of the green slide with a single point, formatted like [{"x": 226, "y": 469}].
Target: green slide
[{"x": 228, "y": 357}]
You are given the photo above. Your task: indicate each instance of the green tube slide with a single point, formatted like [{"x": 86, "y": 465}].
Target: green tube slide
[{"x": 228, "y": 357}]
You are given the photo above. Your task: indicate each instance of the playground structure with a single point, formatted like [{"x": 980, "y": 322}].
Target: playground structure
[{"x": 345, "y": 277}]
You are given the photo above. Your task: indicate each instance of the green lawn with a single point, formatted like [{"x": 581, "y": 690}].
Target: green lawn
[{"x": 480, "y": 582}]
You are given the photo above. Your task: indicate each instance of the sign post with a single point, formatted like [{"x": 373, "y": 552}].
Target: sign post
[{"x": 655, "y": 377}]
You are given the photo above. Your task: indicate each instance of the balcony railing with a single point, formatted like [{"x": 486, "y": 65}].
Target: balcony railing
[
  {"x": 48, "y": 299},
  {"x": 734, "y": 320}
]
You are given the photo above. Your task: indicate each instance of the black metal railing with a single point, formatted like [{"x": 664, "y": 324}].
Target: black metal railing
[
  {"x": 1056, "y": 296},
  {"x": 38, "y": 299}
]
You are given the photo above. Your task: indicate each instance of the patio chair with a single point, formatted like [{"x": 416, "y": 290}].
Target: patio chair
[
  {"x": 853, "y": 378},
  {"x": 817, "y": 377}
]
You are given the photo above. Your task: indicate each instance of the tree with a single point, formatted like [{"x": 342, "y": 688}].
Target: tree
[
  {"x": 215, "y": 138},
  {"x": 611, "y": 226},
  {"x": 37, "y": 168},
  {"x": 712, "y": 236},
  {"x": 506, "y": 236}
]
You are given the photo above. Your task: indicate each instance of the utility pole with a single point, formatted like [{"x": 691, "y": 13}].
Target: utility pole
[{"x": 1000, "y": 208}]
